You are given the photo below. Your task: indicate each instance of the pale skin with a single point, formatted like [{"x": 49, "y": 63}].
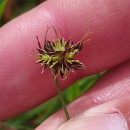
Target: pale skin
[{"x": 22, "y": 86}]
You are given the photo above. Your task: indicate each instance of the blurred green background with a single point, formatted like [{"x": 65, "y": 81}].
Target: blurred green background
[{"x": 9, "y": 9}]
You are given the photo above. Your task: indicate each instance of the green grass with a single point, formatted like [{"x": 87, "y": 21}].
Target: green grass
[{"x": 2, "y": 7}]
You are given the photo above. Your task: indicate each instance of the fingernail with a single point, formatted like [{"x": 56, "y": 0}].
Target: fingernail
[{"x": 98, "y": 122}]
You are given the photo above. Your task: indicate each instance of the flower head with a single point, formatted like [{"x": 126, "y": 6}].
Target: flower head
[{"x": 59, "y": 56}]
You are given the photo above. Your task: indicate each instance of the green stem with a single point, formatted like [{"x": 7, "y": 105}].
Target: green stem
[{"x": 62, "y": 99}]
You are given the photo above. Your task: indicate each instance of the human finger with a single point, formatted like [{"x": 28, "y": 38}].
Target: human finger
[
  {"x": 112, "y": 86},
  {"x": 22, "y": 85}
]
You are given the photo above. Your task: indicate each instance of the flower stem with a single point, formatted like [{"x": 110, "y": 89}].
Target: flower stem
[{"x": 62, "y": 99}]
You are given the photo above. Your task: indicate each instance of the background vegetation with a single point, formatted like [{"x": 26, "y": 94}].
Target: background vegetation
[{"x": 31, "y": 119}]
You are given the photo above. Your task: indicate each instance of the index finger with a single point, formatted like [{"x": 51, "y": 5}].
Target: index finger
[{"x": 21, "y": 84}]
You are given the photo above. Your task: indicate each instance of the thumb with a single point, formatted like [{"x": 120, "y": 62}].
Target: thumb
[{"x": 109, "y": 116}]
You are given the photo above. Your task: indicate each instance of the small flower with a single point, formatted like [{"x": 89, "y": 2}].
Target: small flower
[{"x": 59, "y": 56}]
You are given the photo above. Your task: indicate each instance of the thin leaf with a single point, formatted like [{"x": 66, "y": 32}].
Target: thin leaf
[{"x": 2, "y": 7}]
